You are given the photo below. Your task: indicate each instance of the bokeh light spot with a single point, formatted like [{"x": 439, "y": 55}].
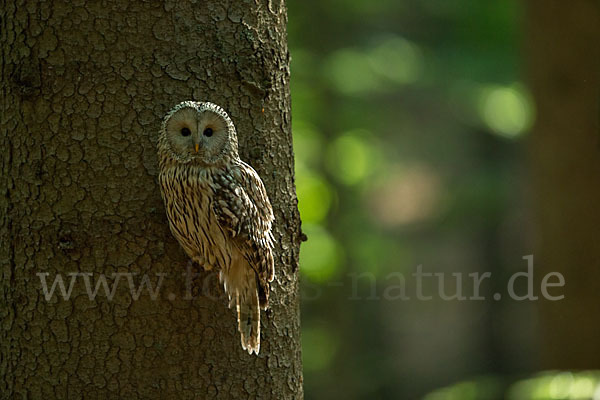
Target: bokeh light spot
[
  {"x": 314, "y": 195},
  {"x": 406, "y": 195},
  {"x": 320, "y": 255},
  {"x": 564, "y": 385},
  {"x": 350, "y": 72},
  {"x": 398, "y": 60},
  {"x": 308, "y": 143},
  {"x": 560, "y": 385},
  {"x": 507, "y": 111},
  {"x": 351, "y": 157},
  {"x": 318, "y": 348},
  {"x": 583, "y": 388}
]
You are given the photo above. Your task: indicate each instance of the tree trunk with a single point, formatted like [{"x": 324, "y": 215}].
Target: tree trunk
[
  {"x": 565, "y": 77},
  {"x": 84, "y": 88}
]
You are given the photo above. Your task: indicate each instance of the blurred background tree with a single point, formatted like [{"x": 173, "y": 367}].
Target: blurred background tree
[
  {"x": 565, "y": 78},
  {"x": 411, "y": 124}
]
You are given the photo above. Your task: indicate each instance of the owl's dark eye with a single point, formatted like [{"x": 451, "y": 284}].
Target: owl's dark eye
[
  {"x": 208, "y": 132},
  {"x": 185, "y": 132}
]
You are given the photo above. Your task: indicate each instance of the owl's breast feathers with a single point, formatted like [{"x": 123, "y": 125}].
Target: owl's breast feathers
[
  {"x": 213, "y": 212},
  {"x": 187, "y": 195}
]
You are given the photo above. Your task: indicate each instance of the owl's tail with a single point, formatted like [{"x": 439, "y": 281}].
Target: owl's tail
[
  {"x": 241, "y": 287},
  {"x": 248, "y": 315}
]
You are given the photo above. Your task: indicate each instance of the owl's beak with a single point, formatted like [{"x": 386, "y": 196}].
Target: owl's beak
[{"x": 197, "y": 147}]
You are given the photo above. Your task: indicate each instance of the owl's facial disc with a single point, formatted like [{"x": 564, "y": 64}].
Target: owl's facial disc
[
  {"x": 212, "y": 136},
  {"x": 181, "y": 131},
  {"x": 201, "y": 135}
]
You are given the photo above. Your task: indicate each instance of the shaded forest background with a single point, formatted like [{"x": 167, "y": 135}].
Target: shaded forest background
[
  {"x": 451, "y": 136},
  {"x": 460, "y": 135}
]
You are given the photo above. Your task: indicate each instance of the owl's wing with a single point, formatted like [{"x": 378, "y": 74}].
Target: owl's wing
[{"x": 243, "y": 210}]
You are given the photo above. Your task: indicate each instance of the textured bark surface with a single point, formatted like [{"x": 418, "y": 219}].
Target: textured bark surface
[
  {"x": 84, "y": 88},
  {"x": 565, "y": 76}
]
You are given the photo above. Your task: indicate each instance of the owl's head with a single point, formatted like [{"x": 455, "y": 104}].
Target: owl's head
[{"x": 199, "y": 132}]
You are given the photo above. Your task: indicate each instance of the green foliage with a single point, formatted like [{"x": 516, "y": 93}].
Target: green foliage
[
  {"x": 559, "y": 385},
  {"x": 549, "y": 385},
  {"x": 407, "y": 116},
  {"x": 485, "y": 388}
]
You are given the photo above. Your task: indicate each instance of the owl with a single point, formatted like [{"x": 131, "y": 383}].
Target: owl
[{"x": 218, "y": 209}]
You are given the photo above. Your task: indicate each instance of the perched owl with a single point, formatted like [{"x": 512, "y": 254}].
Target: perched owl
[{"x": 218, "y": 208}]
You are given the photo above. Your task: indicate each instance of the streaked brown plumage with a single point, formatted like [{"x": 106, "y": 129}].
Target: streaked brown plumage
[{"x": 218, "y": 208}]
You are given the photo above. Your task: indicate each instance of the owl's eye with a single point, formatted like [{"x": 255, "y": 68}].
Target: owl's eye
[
  {"x": 185, "y": 132},
  {"x": 208, "y": 132}
]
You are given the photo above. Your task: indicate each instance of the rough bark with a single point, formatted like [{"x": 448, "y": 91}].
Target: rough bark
[
  {"x": 564, "y": 71},
  {"x": 85, "y": 85}
]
